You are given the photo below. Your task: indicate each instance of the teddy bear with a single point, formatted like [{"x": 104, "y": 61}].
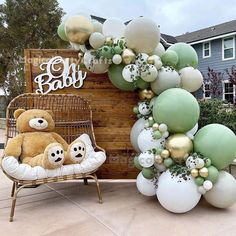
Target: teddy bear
[{"x": 37, "y": 144}]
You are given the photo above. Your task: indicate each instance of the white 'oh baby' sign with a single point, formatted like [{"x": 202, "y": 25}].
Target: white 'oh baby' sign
[{"x": 52, "y": 80}]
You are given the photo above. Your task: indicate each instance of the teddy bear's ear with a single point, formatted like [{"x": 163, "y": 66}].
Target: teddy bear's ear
[
  {"x": 50, "y": 112},
  {"x": 18, "y": 112}
]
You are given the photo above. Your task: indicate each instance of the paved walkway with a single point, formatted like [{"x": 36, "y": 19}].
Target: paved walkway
[{"x": 72, "y": 209}]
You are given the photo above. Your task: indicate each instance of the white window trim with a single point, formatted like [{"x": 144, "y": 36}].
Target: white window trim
[
  {"x": 234, "y": 90},
  {"x": 231, "y": 58},
  {"x": 203, "y": 49},
  {"x": 204, "y": 96}
]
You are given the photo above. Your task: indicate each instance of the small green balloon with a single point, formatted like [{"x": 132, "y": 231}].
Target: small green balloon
[
  {"x": 199, "y": 181},
  {"x": 187, "y": 56},
  {"x": 142, "y": 84},
  {"x": 151, "y": 122},
  {"x": 61, "y": 32},
  {"x": 137, "y": 164},
  {"x": 207, "y": 162},
  {"x": 115, "y": 76},
  {"x": 148, "y": 173},
  {"x": 216, "y": 142},
  {"x": 213, "y": 174},
  {"x": 106, "y": 52},
  {"x": 176, "y": 108},
  {"x": 118, "y": 50},
  {"x": 157, "y": 134},
  {"x": 135, "y": 110},
  {"x": 169, "y": 58},
  {"x": 168, "y": 162}
]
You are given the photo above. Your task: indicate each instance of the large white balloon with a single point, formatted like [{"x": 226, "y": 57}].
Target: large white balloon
[
  {"x": 192, "y": 131},
  {"x": 176, "y": 194},
  {"x": 145, "y": 186},
  {"x": 138, "y": 126},
  {"x": 142, "y": 35},
  {"x": 113, "y": 27},
  {"x": 191, "y": 79},
  {"x": 96, "y": 40},
  {"x": 147, "y": 142},
  {"x": 223, "y": 193},
  {"x": 167, "y": 78},
  {"x": 159, "y": 50},
  {"x": 97, "y": 26},
  {"x": 93, "y": 64}
]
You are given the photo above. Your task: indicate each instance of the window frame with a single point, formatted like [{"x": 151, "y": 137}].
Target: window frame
[
  {"x": 203, "y": 49},
  {"x": 204, "y": 90},
  {"x": 223, "y": 93},
  {"x": 223, "y": 49}
]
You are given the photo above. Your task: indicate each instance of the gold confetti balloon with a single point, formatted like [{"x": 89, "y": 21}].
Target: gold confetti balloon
[
  {"x": 203, "y": 172},
  {"x": 78, "y": 29},
  {"x": 165, "y": 153},
  {"x": 194, "y": 172},
  {"x": 146, "y": 94},
  {"x": 158, "y": 159},
  {"x": 179, "y": 146}
]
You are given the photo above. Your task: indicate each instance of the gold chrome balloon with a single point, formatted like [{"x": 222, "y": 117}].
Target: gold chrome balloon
[
  {"x": 128, "y": 56},
  {"x": 203, "y": 172},
  {"x": 158, "y": 159},
  {"x": 146, "y": 94},
  {"x": 155, "y": 126},
  {"x": 165, "y": 153},
  {"x": 78, "y": 29},
  {"x": 179, "y": 145},
  {"x": 109, "y": 41},
  {"x": 194, "y": 172}
]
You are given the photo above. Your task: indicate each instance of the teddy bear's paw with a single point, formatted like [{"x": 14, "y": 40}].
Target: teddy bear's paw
[
  {"x": 77, "y": 151},
  {"x": 55, "y": 154}
]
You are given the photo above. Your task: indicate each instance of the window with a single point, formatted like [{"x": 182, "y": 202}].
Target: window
[
  {"x": 228, "y": 91},
  {"x": 228, "y": 48},
  {"x": 207, "y": 90},
  {"x": 206, "y": 52}
]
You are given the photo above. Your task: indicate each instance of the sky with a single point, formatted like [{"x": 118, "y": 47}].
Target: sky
[{"x": 175, "y": 17}]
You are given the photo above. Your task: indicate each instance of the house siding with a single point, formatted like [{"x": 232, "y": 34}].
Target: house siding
[{"x": 215, "y": 61}]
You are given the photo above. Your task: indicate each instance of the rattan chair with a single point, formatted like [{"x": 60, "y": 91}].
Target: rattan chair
[{"x": 72, "y": 115}]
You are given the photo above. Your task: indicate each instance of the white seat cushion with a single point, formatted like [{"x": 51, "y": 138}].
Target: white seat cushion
[{"x": 91, "y": 162}]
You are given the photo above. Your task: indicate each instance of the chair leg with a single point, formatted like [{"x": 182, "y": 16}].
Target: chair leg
[
  {"x": 13, "y": 189},
  {"x": 85, "y": 181},
  {"x": 98, "y": 188}
]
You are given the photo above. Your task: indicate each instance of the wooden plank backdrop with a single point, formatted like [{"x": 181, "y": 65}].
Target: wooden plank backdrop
[{"x": 112, "y": 112}]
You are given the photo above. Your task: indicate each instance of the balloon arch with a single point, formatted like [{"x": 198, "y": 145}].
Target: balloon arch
[{"x": 178, "y": 163}]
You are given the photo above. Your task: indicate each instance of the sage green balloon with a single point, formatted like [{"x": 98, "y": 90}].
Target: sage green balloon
[
  {"x": 216, "y": 142},
  {"x": 213, "y": 174},
  {"x": 116, "y": 78},
  {"x": 176, "y": 108},
  {"x": 137, "y": 164},
  {"x": 187, "y": 56},
  {"x": 61, "y": 32},
  {"x": 142, "y": 84},
  {"x": 148, "y": 173},
  {"x": 199, "y": 181},
  {"x": 168, "y": 162},
  {"x": 106, "y": 52},
  {"x": 169, "y": 58}
]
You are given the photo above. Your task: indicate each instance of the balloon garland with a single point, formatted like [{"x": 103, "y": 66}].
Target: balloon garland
[{"x": 176, "y": 165}]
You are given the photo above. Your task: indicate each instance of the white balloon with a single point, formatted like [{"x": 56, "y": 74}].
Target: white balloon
[
  {"x": 147, "y": 142},
  {"x": 207, "y": 185},
  {"x": 167, "y": 78},
  {"x": 141, "y": 59},
  {"x": 97, "y": 26},
  {"x": 96, "y": 40},
  {"x": 176, "y": 194},
  {"x": 165, "y": 134},
  {"x": 157, "y": 61},
  {"x": 142, "y": 35},
  {"x": 130, "y": 73},
  {"x": 149, "y": 73},
  {"x": 144, "y": 108},
  {"x": 191, "y": 79},
  {"x": 192, "y": 132},
  {"x": 135, "y": 131},
  {"x": 159, "y": 50},
  {"x": 163, "y": 128},
  {"x": 117, "y": 59},
  {"x": 93, "y": 64},
  {"x": 114, "y": 28},
  {"x": 223, "y": 193},
  {"x": 145, "y": 186},
  {"x": 201, "y": 190},
  {"x": 146, "y": 159}
]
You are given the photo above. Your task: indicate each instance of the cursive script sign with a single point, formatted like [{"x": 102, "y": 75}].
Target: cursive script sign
[{"x": 59, "y": 74}]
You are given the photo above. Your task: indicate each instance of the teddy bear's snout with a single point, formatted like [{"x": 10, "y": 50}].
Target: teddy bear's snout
[{"x": 38, "y": 123}]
